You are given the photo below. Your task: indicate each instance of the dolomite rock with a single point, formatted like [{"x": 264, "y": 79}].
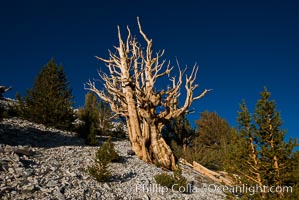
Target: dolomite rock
[{"x": 37, "y": 162}]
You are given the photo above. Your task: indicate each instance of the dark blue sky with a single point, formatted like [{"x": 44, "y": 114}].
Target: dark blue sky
[{"x": 240, "y": 46}]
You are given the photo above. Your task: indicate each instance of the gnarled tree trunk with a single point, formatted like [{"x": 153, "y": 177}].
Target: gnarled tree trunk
[{"x": 130, "y": 90}]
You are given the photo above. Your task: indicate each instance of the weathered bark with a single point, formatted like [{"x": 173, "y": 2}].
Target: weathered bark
[
  {"x": 253, "y": 163},
  {"x": 275, "y": 162},
  {"x": 219, "y": 177},
  {"x": 255, "y": 167},
  {"x": 215, "y": 176},
  {"x": 130, "y": 90}
]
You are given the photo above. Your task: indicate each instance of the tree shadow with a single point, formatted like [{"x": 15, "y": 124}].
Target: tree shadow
[
  {"x": 36, "y": 135},
  {"x": 12, "y": 134},
  {"x": 124, "y": 177}
]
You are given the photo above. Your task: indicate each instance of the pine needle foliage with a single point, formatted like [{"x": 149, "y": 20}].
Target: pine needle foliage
[
  {"x": 90, "y": 116},
  {"x": 49, "y": 101},
  {"x": 104, "y": 156},
  {"x": 263, "y": 157},
  {"x": 176, "y": 181},
  {"x": 210, "y": 146}
]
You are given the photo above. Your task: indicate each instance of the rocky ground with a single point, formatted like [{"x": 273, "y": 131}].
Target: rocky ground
[{"x": 43, "y": 163}]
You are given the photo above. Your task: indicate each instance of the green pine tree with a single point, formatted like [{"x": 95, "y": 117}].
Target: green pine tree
[
  {"x": 260, "y": 155},
  {"x": 96, "y": 117},
  {"x": 179, "y": 135},
  {"x": 104, "y": 156},
  {"x": 211, "y": 143},
  {"x": 90, "y": 116},
  {"x": 49, "y": 101},
  {"x": 275, "y": 153},
  {"x": 245, "y": 152},
  {"x": 105, "y": 115},
  {"x": 293, "y": 179}
]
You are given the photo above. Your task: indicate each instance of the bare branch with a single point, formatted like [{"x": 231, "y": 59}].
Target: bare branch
[
  {"x": 141, "y": 32},
  {"x": 129, "y": 88},
  {"x": 202, "y": 94}
]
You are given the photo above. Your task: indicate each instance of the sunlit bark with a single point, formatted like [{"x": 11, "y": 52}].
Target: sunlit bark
[{"x": 130, "y": 90}]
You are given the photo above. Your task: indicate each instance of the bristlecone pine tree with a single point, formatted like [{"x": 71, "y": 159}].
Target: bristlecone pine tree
[
  {"x": 264, "y": 157},
  {"x": 49, "y": 101},
  {"x": 131, "y": 92}
]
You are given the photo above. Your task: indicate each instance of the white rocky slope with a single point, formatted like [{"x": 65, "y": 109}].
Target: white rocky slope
[{"x": 43, "y": 163}]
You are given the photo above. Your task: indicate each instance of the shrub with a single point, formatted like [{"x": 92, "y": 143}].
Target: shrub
[
  {"x": 105, "y": 154},
  {"x": 100, "y": 171},
  {"x": 165, "y": 180},
  {"x": 176, "y": 181}
]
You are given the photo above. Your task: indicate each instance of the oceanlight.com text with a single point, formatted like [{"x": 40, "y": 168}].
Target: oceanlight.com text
[
  {"x": 212, "y": 188},
  {"x": 251, "y": 190}
]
